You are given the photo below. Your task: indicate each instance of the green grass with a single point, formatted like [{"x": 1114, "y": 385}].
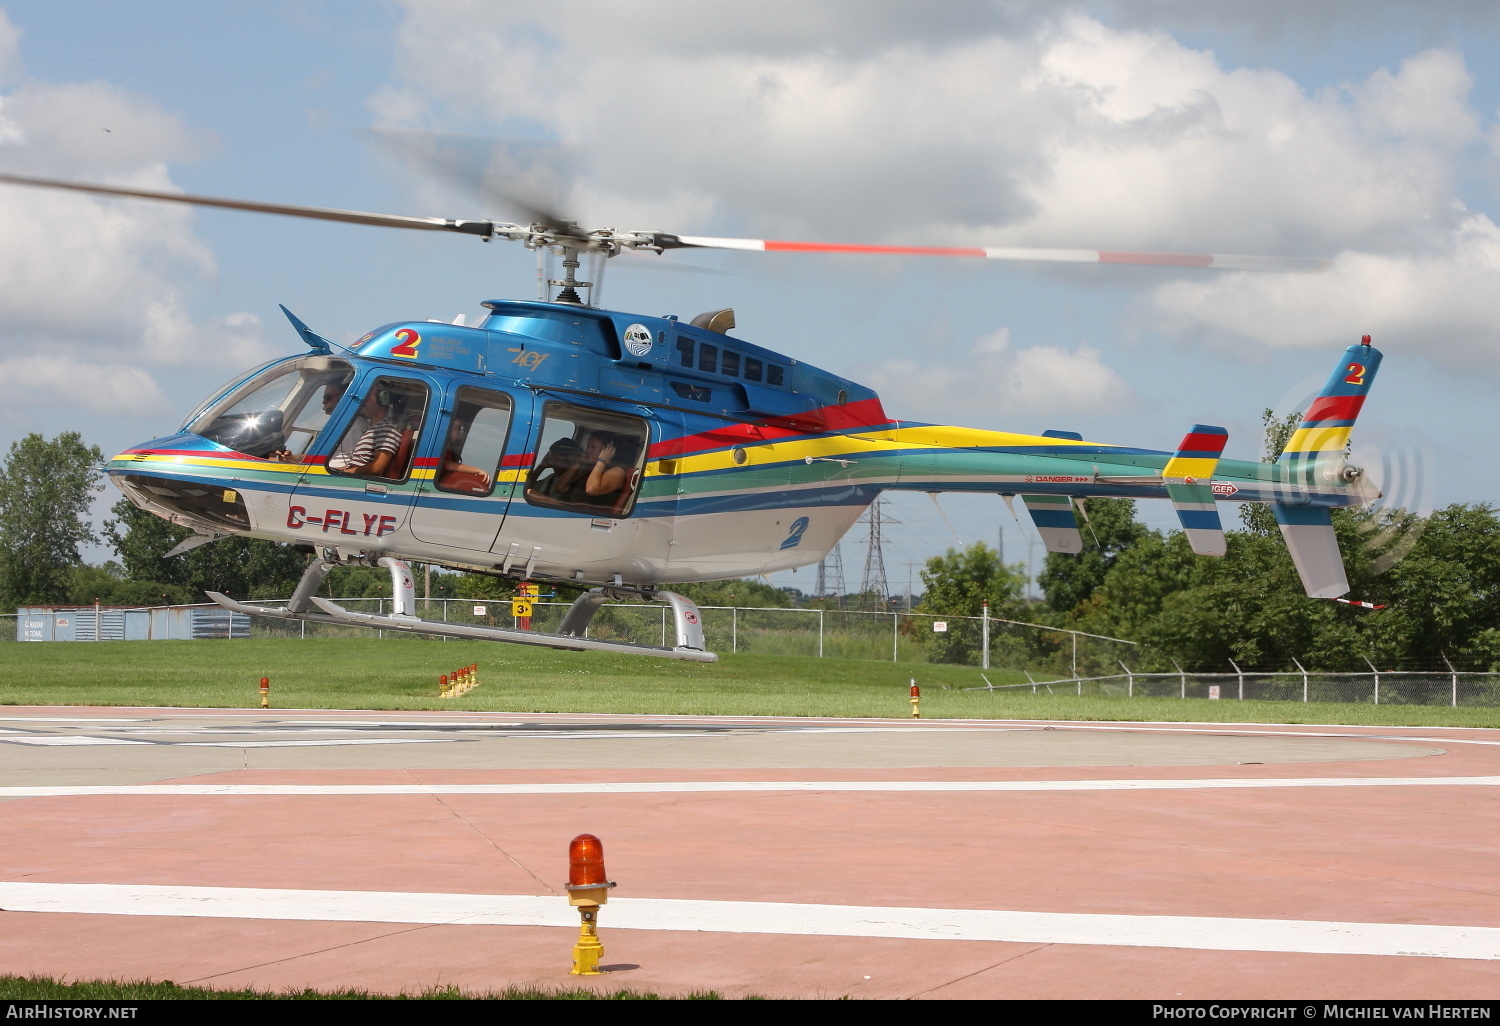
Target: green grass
[
  {"x": 43, "y": 988},
  {"x": 370, "y": 673}
]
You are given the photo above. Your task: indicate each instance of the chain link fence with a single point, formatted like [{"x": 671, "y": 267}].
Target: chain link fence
[
  {"x": 979, "y": 641},
  {"x": 1377, "y": 687},
  {"x": 1054, "y": 660}
]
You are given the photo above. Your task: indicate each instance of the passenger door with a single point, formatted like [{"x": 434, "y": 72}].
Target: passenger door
[
  {"x": 471, "y": 474},
  {"x": 349, "y": 496}
]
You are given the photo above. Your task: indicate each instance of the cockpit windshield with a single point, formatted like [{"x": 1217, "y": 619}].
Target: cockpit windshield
[{"x": 278, "y": 411}]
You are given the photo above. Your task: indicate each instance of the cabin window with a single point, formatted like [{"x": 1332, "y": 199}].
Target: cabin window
[
  {"x": 752, "y": 369},
  {"x": 708, "y": 357},
  {"x": 475, "y": 444},
  {"x": 730, "y": 365},
  {"x": 587, "y": 460},
  {"x": 697, "y": 393},
  {"x": 278, "y": 412},
  {"x": 685, "y": 351},
  {"x": 774, "y": 374},
  {"x": 384, "y": 433}
]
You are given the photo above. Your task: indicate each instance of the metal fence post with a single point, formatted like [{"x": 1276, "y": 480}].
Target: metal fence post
[
  {"x": 820, "y": 632},
  {"x": 734, "y": 628},
  {"x": 1454, "y": 678},
  {"x": 984, "y": 613},
  {"x": 895, "y": 636},
  {"x": 1129, "y": 679},
  {"x": 1075, "y": 656},
  {"x": 1376, "y": 674},
  {"x": 663, "y": 626},
  {"x": 1241, "y": 675},
  {"x": 1181, "y": 676},
  {"x": 1304, "y": 678}
]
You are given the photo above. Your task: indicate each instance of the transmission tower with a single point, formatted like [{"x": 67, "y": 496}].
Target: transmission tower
[
  {"x": 874, "y": 583},
  {"x": 831, "y": 576}
]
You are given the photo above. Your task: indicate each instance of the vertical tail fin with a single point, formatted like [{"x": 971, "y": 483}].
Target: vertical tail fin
[
  {"x": 1323, "y": 437},
  {"x": 1324, "y": 432},
  {"x": 1189, "y": 476}
]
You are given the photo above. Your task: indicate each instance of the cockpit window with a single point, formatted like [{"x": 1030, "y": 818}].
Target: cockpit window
[{"x": 279, "y": 410}]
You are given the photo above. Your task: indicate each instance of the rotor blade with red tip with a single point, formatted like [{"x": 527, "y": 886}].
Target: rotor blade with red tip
[
  {"x": 1218, "y": 261},
  {"x": 434, "y": 224}
]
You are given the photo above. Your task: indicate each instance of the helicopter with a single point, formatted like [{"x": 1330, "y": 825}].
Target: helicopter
[{"x": 561, "y": 441}]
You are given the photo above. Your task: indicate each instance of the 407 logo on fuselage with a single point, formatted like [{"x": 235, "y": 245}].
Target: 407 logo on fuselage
[{"x": 375, "y": 525}]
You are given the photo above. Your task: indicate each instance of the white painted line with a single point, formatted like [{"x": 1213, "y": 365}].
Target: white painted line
[
  {"x": 51, "y": 740},
  {"x": 73, "y": 739},
  {"x": 322, "y": 743},
  {"x": 708, "y": 786},
  {"x": 1194, "y": 932}
]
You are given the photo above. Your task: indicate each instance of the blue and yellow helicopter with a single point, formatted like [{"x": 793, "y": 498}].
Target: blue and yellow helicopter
[{"x": 560, "y": 441}]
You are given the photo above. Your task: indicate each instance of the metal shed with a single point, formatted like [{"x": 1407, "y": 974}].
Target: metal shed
[{"x": 129, "y": 623}]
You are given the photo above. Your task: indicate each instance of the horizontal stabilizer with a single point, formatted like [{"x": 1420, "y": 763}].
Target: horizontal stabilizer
[
  {"x": 1055, "y": 522},
  {"x": 1308, "y": 531}
]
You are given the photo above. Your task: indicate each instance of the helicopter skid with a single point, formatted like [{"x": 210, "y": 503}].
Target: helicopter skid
[{"x": 334, "y": 613}]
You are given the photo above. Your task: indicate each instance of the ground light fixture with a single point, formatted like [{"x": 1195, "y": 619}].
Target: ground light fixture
[{"x": 588, "y": 888}]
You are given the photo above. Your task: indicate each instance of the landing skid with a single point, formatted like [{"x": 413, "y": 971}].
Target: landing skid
[{"x": 689, "y": 623}]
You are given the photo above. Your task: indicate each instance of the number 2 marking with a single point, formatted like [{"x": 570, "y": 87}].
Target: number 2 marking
[
  {"x": 409, "y": 340},
  {"x": 794, "y": 536},
  {"x": 1356, "y": 374}
]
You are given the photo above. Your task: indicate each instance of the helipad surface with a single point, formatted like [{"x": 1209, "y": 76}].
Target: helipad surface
[{"x": 782, "y": 857}]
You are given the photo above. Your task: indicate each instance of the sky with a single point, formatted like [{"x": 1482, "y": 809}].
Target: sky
[{"x": 1365, "y": 133}]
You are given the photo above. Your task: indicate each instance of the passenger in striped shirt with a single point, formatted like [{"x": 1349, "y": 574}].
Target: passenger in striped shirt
[{"x": 376, "y": 447}]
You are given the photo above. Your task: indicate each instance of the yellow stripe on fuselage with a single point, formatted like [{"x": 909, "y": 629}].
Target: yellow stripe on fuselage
[{"x": 863, "y": 443}]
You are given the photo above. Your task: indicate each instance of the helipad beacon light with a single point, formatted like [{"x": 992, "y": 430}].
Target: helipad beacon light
[{"x": 588, "y": 888}]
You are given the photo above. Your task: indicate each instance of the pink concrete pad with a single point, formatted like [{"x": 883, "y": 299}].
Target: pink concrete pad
[{"x": 1379, "y": 854}]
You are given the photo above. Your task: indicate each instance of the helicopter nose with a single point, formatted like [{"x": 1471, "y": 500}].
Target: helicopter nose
[{"x": 186, "y": 501}]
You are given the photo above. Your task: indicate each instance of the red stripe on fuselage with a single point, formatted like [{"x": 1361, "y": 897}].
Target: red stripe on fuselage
[{"x": 866, "y": 413}]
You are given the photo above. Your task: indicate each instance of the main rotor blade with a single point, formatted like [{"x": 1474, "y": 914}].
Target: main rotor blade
[
  {"x": 1217, "y": 261},
  {"x": 431, "y": 224}
]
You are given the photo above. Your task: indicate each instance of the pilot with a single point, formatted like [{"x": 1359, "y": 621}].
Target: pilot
[
  {"x": 607, "y": 474},
  {"x": 568, "y": 477},
  {"x": 333, "y": 391},
  {"x": 377, "y": 444}
]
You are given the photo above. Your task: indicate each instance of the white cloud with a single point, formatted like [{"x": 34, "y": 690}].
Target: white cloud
[
  {"x": 1007, "y": 124},
  {"x": 994, "y": 383},
  {"x": 107, "y": 389},
  {"x": 96, "y": 290},
  {"x": 1437, "y": 304}
]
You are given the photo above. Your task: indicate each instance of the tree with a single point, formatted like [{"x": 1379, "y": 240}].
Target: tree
[
  {"x": 957, "y": 584},
  {"x": 237, "y": 566},
  {"x": 46, "y": 488},
  {"x": 1257, "y": 516},
  {"x": 1068, "y": 579}
]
